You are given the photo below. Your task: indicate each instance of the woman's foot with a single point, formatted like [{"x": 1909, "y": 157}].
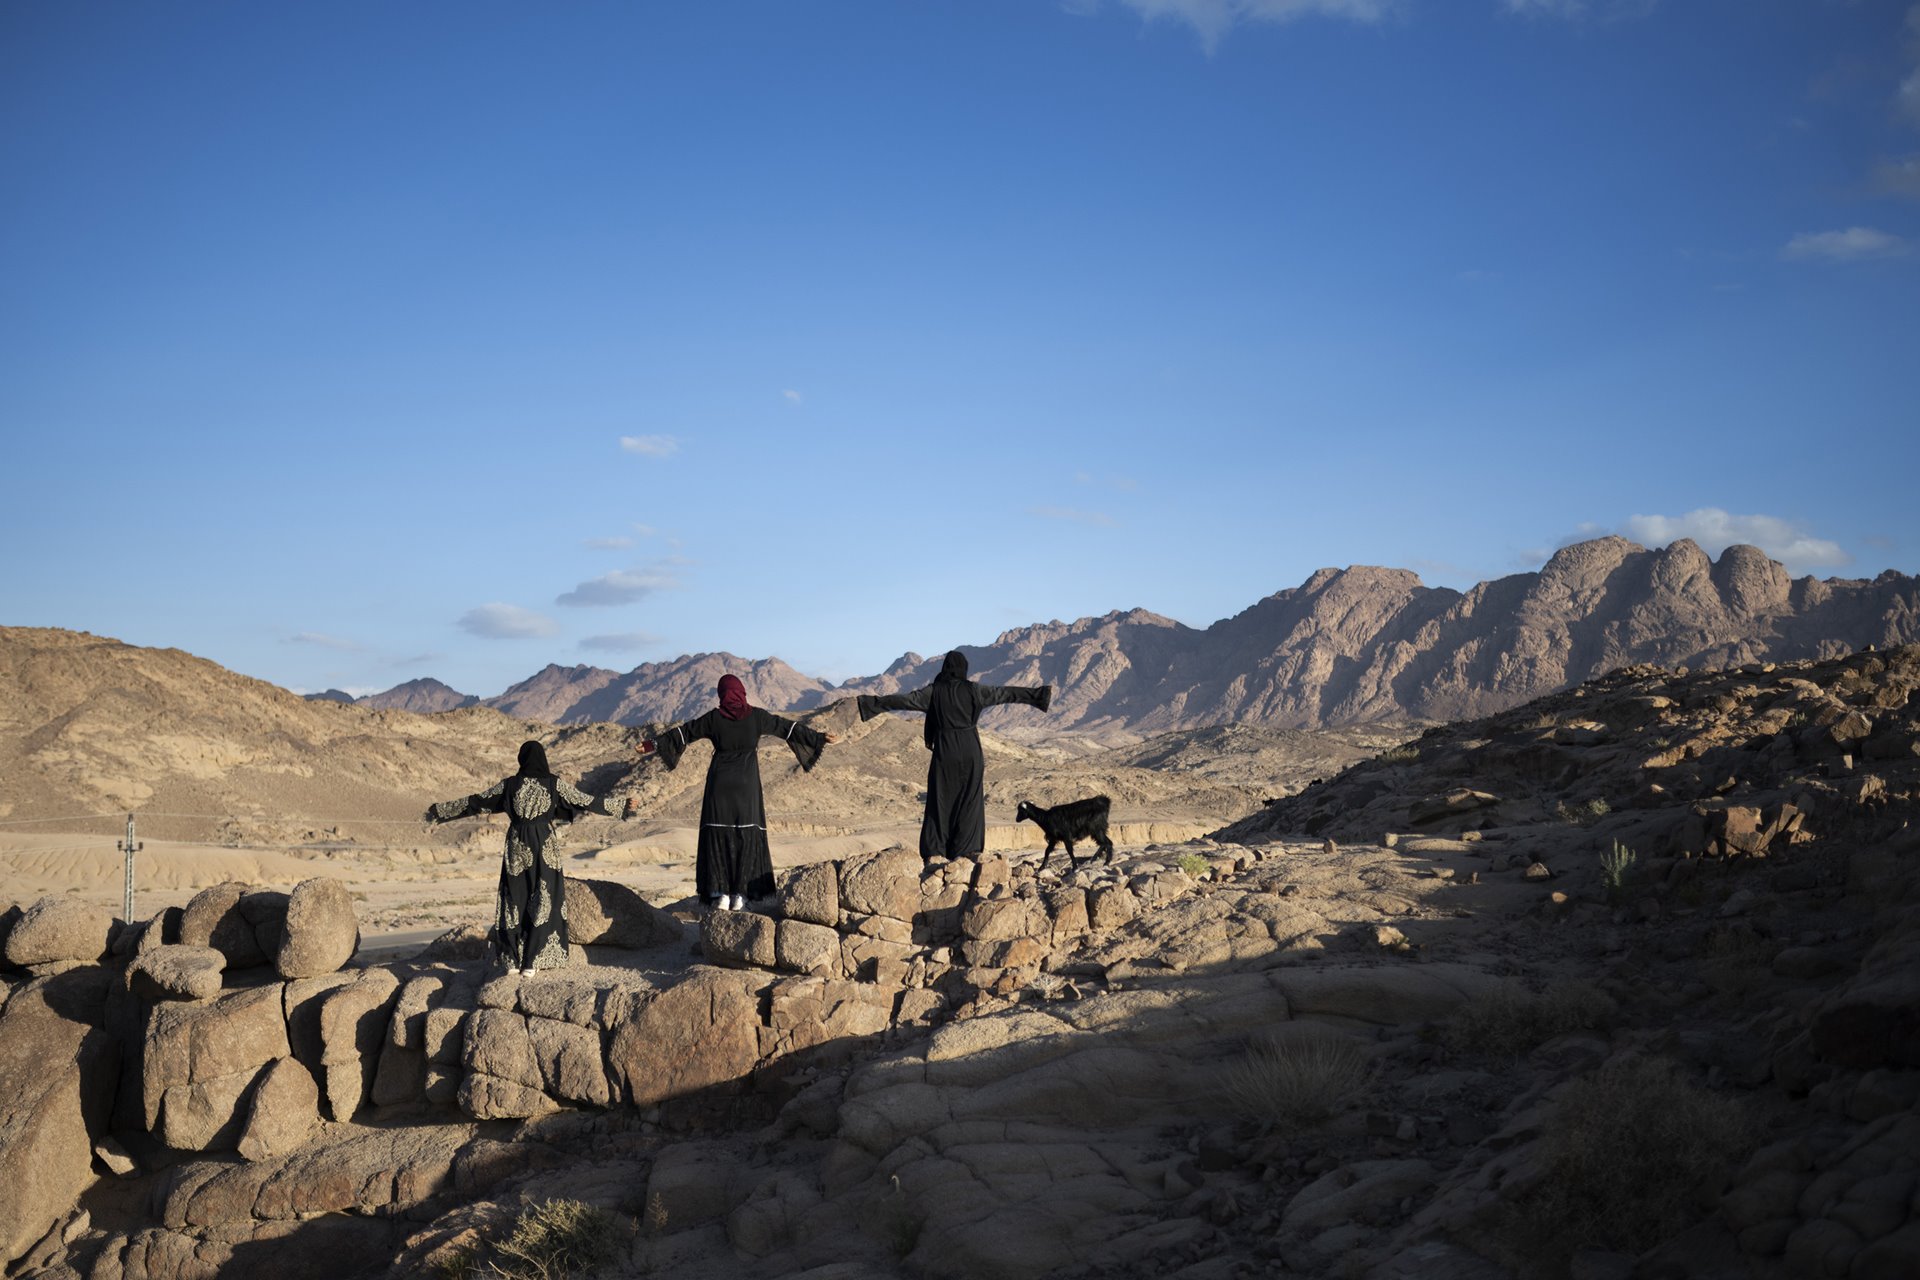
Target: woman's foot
[{"x": 738, "y": 902}]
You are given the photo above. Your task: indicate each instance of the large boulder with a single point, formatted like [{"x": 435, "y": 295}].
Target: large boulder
[
  {"x": 353, "y": 1027},
  {"x": 60, "y": 1069},
  {"x": 812, "y": 894},
  {"x": 739, "y": 938},
  {"x": 285, "y": 1110},
  {"x": 58, "y": 931},
  {"x": 602, "y": 913},
  {"x": 882, "y": 884},
  {"x": 703, "y": 1032},
  {"x": 176, "y": 973},
  {"x": 201, "y": 1059},
  {"x": 241, "y": 922},
  {"x": 321, "y": 931}
]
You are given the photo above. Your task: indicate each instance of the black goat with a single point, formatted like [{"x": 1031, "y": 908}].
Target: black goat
[{"x": 1066, "y": 823}]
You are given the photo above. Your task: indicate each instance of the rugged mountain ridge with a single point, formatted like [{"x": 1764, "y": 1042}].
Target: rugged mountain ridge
[{"x": 1363, "y": 644}]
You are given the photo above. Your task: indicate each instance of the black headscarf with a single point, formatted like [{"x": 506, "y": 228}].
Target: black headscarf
[
  {"x": 533, "y": 761},
  {"x": 955, "y": 667}
]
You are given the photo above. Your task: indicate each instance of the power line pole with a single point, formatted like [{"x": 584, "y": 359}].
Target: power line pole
[{"x": 131, "y": 847}]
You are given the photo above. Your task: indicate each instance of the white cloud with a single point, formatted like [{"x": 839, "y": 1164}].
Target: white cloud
[
  {"x": 1118, "y": 483},
  {"x": 622, "y": 586},
  {"x": 650, "y": 446},
  {"x": 1072, "y": 514},
  {"x": 793, "y": 397},
  {"x": 318, "y": 640},
  {"x": 1716, "y": 530},
  {"x": 1851, "y": 245},
  {"x": 644, "y": 530},
  {"x": 506, "y": 622},
  {"x": 1212, "y": 19},
  {"x": 621, "y": 642},
  {"x": 608, "y": 544}
]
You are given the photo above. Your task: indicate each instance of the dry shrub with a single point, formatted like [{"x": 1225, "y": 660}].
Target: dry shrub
[
  {"x": 1509, "y": 1022},
  {"x": 1295, "y": 1082},
  {"x": 557, "y": 1239},
  {"x": 1636, "y": 1153}
]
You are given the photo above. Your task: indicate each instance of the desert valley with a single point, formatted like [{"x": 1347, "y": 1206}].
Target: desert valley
[{"x": 1565, "y": 926}]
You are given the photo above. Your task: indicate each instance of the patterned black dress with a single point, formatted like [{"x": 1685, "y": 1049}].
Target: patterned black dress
[
  {"x": 955, "y": 822},
  {"x": 733, "y": 856},
  {"x": 530, "y": 920}
]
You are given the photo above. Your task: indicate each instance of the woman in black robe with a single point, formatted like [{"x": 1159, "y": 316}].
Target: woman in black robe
[
  {"x": 734, "y": 862},
  {"x": 955, "y": 825},
  {"x": 530, "y": 919}
]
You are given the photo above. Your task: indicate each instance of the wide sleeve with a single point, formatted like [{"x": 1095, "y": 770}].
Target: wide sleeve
[
  {"x": 492, "y": 800},
  {"x": 806, "y": 742},
  {"x": 872, "y": 705},
  {"x": 994, "y": 695},
  {"x": 579, "y": 801},
  {"x": 672, "y": 743}
]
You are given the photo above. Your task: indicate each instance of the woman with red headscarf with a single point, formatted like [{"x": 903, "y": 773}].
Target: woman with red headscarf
[{"x": 734, "y": 862}]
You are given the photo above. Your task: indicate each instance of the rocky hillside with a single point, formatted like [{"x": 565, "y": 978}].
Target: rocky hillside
[
  {"x": 1349, "y": 646},
  {"x": 1455, "y": 1033}
]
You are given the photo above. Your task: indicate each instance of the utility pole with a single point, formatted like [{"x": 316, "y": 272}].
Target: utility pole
[{"x": 130, "y": 846}]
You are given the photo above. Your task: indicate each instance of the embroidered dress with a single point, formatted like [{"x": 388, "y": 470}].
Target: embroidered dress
[
  {"x": 733, "y": 856},
  {"x": 530, "y": 919},
  {"x": 955, "y": 822}
]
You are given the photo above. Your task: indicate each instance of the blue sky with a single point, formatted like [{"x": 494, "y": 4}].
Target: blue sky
[{"x": 353, "y": 342}]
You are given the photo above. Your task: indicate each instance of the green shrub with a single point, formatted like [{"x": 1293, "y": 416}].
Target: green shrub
[
  {"x": 1295, "y": 1082},
  {"x": 1194, "y": 865},
  {"x": 1635, "y": 1153},
  {"x": 1616, "y": 866},
  {"x": 1509, "y": 1021},
  {"x": 1405, "y": 753},
  {"x": 557, "y": 1239}
]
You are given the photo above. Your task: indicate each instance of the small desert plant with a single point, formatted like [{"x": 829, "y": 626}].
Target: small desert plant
[
  {"x": 1194, "y": 865},
  {"x": 901, "y": 1221},
  {"x": 1583, "y": 814},
  {"x": 1635, "y": 1153},
  {"x": 456, "y": 1264},
  {"x": 1508, "y": 1021},
  {"x": 1616, "y": 865},
  {"x": 1405, "y": 753},
  {"x": 1295, "y": 1082},
  {"x": 556, "y": 1239}
]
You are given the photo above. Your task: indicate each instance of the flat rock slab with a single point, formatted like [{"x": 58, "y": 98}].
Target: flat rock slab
[{"x": 176, "y": 973}]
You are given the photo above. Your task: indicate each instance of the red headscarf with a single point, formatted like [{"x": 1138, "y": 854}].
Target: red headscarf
[{"x": 733, "y": 698}]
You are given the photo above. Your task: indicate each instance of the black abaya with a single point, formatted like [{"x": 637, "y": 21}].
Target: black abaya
[
  {"x": 530, "y": 919},
  {"x": 955, "y": 823},
  {"x": 733, "y": 856}
]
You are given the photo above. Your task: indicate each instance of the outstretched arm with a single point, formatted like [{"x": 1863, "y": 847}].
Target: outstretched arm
[
  {"x": 579, "y": 802},
  {"x": 492, "y": 800},
  {"x": 806, "y": 741},
  {"x": 673, "y": 742},
  {"x": 872, "y": 705},
  {"x": 993, "y": 695}
]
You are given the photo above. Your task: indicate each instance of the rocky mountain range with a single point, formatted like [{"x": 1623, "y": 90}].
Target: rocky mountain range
[{"x": 1348, "y": 646}]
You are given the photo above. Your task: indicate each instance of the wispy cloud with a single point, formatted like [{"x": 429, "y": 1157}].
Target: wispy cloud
[
  {"x": 650, "y": 446},
  {"x": 1907, "y": 97},
  {"x": 608, "y": 544},
  {"x": 322, "y": 641},
  {"x": 792, "y": 397},
  {"x": 417, "y": 661},
  {"x": 1855, "y": 244},
  {"x": 1073, "y": 515},
  {"x": 644, "y": 530},
  {"x": 622, "y": 586},
  {"x": 1212, "y": 19},
  {"x": 1716, "y": 530},
  {"x": 1899, "y": 176},
  {"x": 506, "y": 622},
  {"x": 621, "y": 642}
]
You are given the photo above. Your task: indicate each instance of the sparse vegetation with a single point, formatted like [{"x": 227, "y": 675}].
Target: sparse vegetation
[
  {"x": 1510, "y": 1021},
  {"x": 1295, "y": 1083},
  {"x": 900, "y": 1220},
  {"x": 1194, "y": 865},
  {"x": 1636, "y": 1153},
  {"x": 1405, "y": 753},
  {"x": 558, "y": 1239},
  {"x": 1616, "y": 869},
  {"x": 1584, "y": 814}
]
